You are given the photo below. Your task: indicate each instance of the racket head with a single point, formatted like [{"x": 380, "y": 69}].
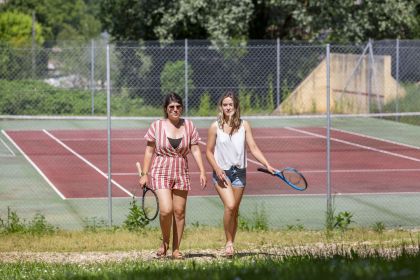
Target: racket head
[
  {"x": 294, "y": 178},
  {"x": 149, "y": 203}
]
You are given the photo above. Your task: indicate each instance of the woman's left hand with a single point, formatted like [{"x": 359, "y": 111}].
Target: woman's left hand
[
  {"x": 203, "y": 180},
  {"x": 271, "y": 169}
]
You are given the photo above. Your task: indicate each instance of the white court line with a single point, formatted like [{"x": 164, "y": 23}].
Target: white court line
[
  {"x": 101, "y": 139},
  {"x": 356, "y": 145},
  {"x": 376, "y": 138},
  {"x": 35, "y": 166},
  {"x": 300, "y": 195},
  {"x": 86, "y": 161},
  {"x": 142, "y": 139},
  {"x": 313, "y": 171},
  {"x": 12, "y": 154},
  {"x": 314, "y": 194}
]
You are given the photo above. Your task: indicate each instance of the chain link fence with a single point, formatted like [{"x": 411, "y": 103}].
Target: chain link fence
[{"x": 73, "y": 119}]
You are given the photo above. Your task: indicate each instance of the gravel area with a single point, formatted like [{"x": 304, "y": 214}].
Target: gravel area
[{"x": 203, "y": 255}]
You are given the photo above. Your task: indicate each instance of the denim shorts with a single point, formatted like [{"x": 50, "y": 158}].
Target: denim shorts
[{"x": 237, "y": 176}]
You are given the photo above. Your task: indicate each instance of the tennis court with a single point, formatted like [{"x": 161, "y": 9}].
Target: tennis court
[{"x": 374, "y": 173}]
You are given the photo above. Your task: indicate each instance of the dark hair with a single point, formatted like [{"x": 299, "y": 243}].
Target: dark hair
[
  {"x": 235, "y": 121},
  {"x": 169, "y": 98}
]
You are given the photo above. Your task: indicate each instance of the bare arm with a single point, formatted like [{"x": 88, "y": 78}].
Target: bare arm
[
  {"x": 211, "y": 143},
  {"x": 196, "y": 152},
  {"x": 148, "y": 154},
  {"x": 253, "y": 148}
]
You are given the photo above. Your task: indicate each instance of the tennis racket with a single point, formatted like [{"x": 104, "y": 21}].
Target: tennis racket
[
  {"x": 149, "y": 200},
  {"x": 290, "y": 176}
]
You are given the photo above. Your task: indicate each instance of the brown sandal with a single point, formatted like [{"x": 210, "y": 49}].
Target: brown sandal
[
  {"x": 229, "y": 251},
  {"x": 177, "y": 255},
  {"x": 161, "y": 252}
]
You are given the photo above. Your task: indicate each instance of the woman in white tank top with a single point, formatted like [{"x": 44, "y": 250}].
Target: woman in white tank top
[{"x": 226, "y": 153}]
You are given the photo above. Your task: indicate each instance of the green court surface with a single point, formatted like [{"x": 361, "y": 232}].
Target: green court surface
[{"x": 26, "y": 192}]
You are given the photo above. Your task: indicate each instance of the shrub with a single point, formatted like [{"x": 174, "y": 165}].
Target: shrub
[
  {"x": 136, "y": 219},
  {"x": 14, "y": 224},
  {"x": 172, "y": 78}
]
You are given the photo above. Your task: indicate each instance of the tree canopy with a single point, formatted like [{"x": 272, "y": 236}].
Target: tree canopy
[
  {"x": 339, "y": 21},
  {"x": 133, "y": 20},
  {"x": 16, "y": 29},
  {"x": 60, "y": 18}
]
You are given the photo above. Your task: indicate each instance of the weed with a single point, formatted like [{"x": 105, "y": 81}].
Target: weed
[
  {"x": 378, "y": 227},
  {"x": 94, "y": 224},
  {"x": 297, "y": 227},
  {"x": 343, "y": 220},
  {"x": 14, "y": 224},
  {"x": 136, "y": 220},
  {"x": 258, "y": 222}
]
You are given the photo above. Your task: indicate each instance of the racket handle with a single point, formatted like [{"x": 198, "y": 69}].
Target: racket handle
[{"x": 265, "y": 170}]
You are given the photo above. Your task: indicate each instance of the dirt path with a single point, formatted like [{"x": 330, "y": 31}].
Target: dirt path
[{"x": 204, "y": 255}]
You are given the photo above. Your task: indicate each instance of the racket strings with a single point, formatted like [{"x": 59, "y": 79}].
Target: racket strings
[
  {"x": 150, "y": 205},
  {"x": 294, "y": 178}
]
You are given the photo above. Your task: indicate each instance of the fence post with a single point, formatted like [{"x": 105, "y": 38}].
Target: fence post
[
  {"x": 186, "y": 77},
  {"x": 33, "y": 53},
  {"x": 92, "y": 75},
  {"x": 278, "y": 93},
  {"x": 397, "y": 77},
  {"x": 108, "y": 112},
  {"x": 329, "y": 202},
  {"x": 369, "y": 78}
]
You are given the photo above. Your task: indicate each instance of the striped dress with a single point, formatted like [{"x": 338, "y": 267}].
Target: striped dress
[{"x": 170, "y": 166}]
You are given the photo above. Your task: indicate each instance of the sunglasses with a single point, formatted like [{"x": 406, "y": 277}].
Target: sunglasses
[{"x": 172, "y": 107}]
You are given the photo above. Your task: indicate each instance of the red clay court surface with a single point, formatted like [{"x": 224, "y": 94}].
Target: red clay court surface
[{"x": 74, "y": 163}]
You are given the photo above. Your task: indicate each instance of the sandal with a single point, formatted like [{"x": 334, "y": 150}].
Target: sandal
[
  {"x": 229, "y": 251},
  {"x": 177, "y": 255},
  {"x": 161, "y": 252}
]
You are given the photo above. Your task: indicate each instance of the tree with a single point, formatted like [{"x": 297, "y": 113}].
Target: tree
[
  {"x": 222, "y": 20},
  {"x": 131, "y": 20},
  {"x": 172, "y": 78},
  {"x": 201, "y": 19},
  {"x": 58, "y": 16},
  {"x": 336, "y": 21},
  {"x": 16, "y": 29},
  {"x": 16, "y": 35}
]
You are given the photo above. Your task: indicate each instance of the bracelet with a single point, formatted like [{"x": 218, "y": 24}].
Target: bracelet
[{"x": 143, "y": 173}]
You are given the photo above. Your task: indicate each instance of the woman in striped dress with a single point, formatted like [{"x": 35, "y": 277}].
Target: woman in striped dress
[
  {"x": 226, "y": 153},
  {"x": 169, "y": 140}
]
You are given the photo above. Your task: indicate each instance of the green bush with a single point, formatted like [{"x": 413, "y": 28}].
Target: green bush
[
  {"x": 204, "y": 108},
  {"x": 135, "y": 220},
  {"x": 258, "y": 222},
  {"x": 172, "y": 78},
  {"x": 14, "y": 224},
  {"x": 29, "y": 97}
]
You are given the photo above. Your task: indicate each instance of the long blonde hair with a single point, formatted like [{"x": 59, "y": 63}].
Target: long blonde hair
[{"x": 235, "y": 120}]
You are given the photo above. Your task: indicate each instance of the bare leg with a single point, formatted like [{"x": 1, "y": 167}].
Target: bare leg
[
  {"x": 237, "y": 192},
  {"x": 179, "y": 199},
  {"x": 165, "y": 217},
  {"x": 228, "y": 199}
]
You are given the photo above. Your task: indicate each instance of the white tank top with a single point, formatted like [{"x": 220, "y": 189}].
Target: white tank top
[{"x": 230, "y": 150}]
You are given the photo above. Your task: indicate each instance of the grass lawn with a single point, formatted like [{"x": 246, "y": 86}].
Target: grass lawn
[{"x": 290, "y": 254}]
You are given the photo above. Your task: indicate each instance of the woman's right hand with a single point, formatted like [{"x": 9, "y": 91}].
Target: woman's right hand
[
  {"x": 144, "y": 180},
  {"x": 221, "y": 175}
]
